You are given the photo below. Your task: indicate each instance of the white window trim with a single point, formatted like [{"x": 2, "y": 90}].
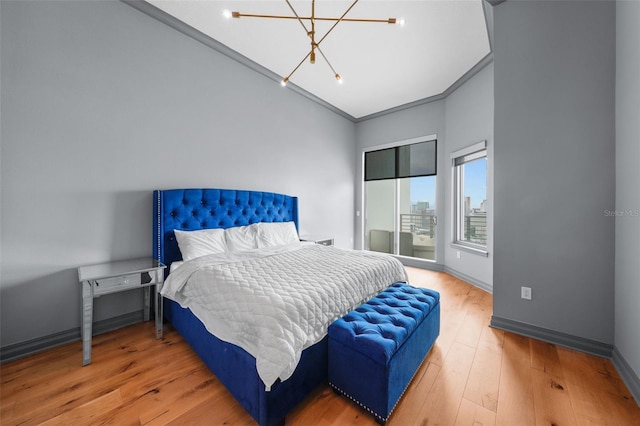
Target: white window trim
[
  {"x": 469, "y": 150},
  {"x": 456, "y": 179}
]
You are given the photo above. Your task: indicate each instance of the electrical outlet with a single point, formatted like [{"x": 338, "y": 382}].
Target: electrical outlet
[
  {"x": 458, "y": 254},
  {"x": 525, "y": 293}
]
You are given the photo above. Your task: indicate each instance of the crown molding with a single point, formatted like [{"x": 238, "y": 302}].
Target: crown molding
[{"x": 456, "y": 84}]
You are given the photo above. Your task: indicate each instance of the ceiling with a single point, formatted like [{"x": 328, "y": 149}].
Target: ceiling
[{"x": 382, "y": 65}]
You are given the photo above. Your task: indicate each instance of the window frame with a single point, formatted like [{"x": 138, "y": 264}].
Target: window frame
[{"x": 458, "y": 159}]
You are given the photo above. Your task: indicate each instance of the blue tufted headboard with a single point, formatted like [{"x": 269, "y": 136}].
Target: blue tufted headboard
[{"x": 198, "y": 208}]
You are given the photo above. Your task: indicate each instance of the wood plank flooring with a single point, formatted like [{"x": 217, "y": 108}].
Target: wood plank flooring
[{"x": 474, "y": 375}]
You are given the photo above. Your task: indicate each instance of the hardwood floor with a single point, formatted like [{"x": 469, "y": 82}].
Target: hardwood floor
[{"x": 474, "y": 375}]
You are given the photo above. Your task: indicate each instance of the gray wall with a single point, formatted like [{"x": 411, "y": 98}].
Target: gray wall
[
  {"x": 469, "y": 119},
  {"x": 627, "y": 249},
  {"x": 554, "y": 168},
  {"x": 100, "y": 105}
]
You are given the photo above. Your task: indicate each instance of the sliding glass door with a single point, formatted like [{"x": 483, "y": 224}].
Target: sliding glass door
[{"x": 400, "y": 195}]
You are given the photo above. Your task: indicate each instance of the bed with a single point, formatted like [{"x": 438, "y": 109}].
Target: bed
[{"x": 210, "y": 209}]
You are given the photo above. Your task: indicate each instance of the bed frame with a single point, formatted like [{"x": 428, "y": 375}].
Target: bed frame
[{"x": 192, "y": 209}]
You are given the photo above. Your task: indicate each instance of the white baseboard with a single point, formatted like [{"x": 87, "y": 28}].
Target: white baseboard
[{"x": 469, "y": 279}]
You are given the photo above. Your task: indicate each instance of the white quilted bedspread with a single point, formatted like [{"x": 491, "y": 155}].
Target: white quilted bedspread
[{"x": 276, "y": 302}]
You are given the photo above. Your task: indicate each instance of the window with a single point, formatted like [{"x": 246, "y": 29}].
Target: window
[
  {"x": 470, "y": 196},
  {"x": 400, "y": 195}
]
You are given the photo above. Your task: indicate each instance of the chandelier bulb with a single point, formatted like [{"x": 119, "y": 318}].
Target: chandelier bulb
[
  {"x": 338, "y": 78},
  {"x": 400, "y": 22},
  {"x": 284, "y": 81},
  {"x": 227, "y": 14}
]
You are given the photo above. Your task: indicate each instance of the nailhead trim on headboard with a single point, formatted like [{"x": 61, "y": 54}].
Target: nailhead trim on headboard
[{"x": 158, "y": 217}]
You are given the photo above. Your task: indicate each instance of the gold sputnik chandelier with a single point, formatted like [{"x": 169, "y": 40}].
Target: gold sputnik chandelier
[{"x": 311, "y": 32}]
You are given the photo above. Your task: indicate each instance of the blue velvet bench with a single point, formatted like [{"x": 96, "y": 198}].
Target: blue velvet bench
[{"x": 376, "y": 349}]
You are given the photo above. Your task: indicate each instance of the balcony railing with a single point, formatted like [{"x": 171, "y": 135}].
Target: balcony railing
[
  {"x": 475, "y": 226},
  {"x": 420, "y": 224},
  {"x": 475, "y": 229}
]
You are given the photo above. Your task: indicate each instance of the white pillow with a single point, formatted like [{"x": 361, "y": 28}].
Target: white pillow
[
  {"x": 175, "y": 265},
  {"x": 241, "y": 238},
  {"x": 277, "y": 234},
  {"x": 194, "y": 244}
]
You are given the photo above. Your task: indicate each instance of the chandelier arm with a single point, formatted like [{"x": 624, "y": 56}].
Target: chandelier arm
[
  {"x": 327, "y": 61},
  {"x": 297, "y": 17},
  {"x": 317, "y": 18},
  {"x": 297, "y": 66},
  {"x": 337, "y": 22},
  {"x": 386, "y": 21}
]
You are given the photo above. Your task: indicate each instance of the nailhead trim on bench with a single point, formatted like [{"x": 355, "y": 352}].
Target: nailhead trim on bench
[{"x": 384, "y": 420}]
